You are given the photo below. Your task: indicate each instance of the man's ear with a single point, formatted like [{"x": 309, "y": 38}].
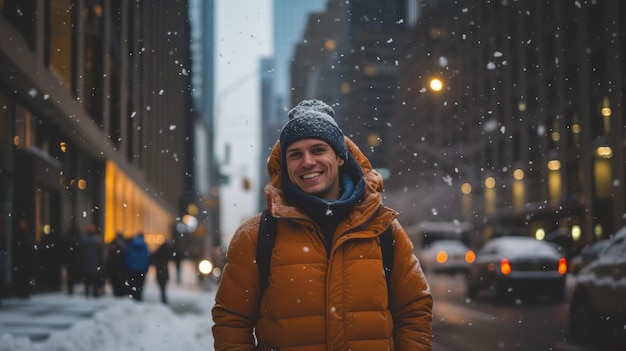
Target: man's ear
[{"x": 341, "y": 161}]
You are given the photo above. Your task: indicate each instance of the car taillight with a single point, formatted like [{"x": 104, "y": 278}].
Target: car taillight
[
  {"x": 470, "y": 256},
  {"x": 442, "y": 256},
  {"x": 505, "y": 266},
  {"x": 562, "y": 265}
]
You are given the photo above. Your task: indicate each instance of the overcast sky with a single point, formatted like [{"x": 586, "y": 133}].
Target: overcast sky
[{"x": 244, "y": 34}]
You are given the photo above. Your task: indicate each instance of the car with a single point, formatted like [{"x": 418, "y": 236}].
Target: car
[
  {"x": 446, "y": 256},
  {"x": 587, "y": 255},
  {"x": 597, "y": 310},
  {"x": 509, "y": 268}
]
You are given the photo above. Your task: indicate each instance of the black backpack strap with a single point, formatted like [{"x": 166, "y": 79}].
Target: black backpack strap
[
  {"x": 265, "y": 246},
  {"x": 386, "y": 246}
]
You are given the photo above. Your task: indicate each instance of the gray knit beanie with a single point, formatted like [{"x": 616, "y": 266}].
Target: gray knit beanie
[{"x": 313, "y": 119}]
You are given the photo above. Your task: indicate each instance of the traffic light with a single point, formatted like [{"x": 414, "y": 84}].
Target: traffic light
[{"x": 246, "y": 183}]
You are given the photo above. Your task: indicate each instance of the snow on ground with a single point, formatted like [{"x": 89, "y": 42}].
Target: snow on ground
[{"x": 128, "y": 325}]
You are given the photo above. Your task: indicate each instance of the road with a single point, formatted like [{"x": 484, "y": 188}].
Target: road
[{"x": 462, "y": 324}]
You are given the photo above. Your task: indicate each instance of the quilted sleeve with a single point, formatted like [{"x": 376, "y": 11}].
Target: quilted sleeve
[
  {"x": 237, "y": 297},
  {"x": 411, "y": 300}
]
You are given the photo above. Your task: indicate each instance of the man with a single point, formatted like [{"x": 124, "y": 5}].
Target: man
[{"x": 327, "y": 287}]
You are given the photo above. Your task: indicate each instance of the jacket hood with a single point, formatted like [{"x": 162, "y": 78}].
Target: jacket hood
[{"x": 372, "y": 198}]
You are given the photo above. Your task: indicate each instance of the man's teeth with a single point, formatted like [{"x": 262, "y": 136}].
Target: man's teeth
[{"x": 311, "y": 175}]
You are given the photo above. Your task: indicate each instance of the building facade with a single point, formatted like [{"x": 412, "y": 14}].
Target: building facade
[
  {"x": 524, "y": 132},
  {"x": 527, "y": 131},
  {"x": 95, "y": 122}
]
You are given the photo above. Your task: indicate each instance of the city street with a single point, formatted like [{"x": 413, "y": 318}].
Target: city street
[{"x": 460, "y": 324}]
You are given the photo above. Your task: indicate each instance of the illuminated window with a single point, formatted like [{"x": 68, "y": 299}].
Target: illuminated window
[
  {"x": 92, "y": 79},
  {"x": 59, "y": 55},
  {"x": 24, "y": 128}
]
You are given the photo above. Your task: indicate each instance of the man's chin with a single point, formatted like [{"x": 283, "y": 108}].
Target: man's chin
[{"x": 311, "y": 190}]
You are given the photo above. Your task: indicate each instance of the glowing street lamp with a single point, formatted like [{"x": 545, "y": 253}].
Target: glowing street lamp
[{"x": 435, "y": 84}]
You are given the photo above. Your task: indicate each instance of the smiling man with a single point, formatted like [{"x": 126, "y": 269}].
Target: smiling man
[
  {"x": 313, "y": 166},
  {"x": 327, "y": 288}
]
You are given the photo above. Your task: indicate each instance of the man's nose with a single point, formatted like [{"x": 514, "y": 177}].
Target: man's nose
[{"x": 308, "y": 158}]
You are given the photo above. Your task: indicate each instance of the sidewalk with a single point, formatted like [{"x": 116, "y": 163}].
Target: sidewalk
[{"x": 42, "y": 315}]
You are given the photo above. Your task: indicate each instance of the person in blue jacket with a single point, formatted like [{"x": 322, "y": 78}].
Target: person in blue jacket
[{"x": 137, "y": 258}]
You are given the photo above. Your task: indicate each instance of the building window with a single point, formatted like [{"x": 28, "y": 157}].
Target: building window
[
  {"x": 21, "y": 14},
  {"x": 115, "y": 53},
  {"x": 24, "y": 128},
  {"x": 59, "y": 41},
  {"x": 94, "y": 60}
]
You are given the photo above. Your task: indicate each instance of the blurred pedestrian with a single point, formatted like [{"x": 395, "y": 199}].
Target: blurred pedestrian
[
  {"x": 71, "y": 247},
  {"x": 177, "y": 247},
  {"x": 92, "y": 261},
  {"x": 161, "y": 259},
  {"x": 116, "y": 267},
  {"x": 23, "y": 256},
  {"x": 137, "y": 258}
]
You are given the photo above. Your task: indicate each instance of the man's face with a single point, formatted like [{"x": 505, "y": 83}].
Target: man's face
[{"x": 313, "y": 166}]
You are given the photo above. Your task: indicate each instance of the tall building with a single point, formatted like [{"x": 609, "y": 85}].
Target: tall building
[
  {"x": 524, "y": 131},
  {"x": 204, "y": 240},
  {"x": 95, "y": 121},
  {"x": 528, "y": 130},
  {"x": 349, "y": 57},
  {"x": 376, "y": 34},
  {"x": 290, "y": 18}
]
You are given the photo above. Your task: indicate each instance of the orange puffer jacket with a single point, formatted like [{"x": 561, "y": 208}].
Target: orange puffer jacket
[{"x": 319, "y": 303}]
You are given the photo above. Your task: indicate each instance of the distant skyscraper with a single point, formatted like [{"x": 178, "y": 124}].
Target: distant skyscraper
[
  {"x": 206, "y": 169},
  {"x": 290, "y": 19}
]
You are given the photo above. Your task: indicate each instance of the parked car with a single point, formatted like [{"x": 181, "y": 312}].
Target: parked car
[
  {"x": 587, "y": 255},
  {"x": 598, "y": 307},
  {"x": 446, "y": 256},
  {"x": 512, "y": 267}
]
